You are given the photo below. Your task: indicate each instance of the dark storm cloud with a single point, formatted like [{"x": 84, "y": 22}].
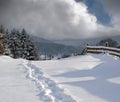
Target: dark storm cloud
[
  {"x": 35, "y": 15},
  {"x": 4, "y": 3}
]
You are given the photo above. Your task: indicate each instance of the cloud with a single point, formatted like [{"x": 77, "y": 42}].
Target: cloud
[
  {"x": 53, "y": 19},
  {"x": 113, "y": 7}
]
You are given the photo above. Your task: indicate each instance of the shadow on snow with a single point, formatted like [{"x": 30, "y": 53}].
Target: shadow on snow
[{"x": 99, "y": 86}]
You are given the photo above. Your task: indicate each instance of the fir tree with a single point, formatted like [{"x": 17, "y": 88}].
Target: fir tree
[
  {"x": 2, "y": 29},
  {"x": 18, "y": 44}
]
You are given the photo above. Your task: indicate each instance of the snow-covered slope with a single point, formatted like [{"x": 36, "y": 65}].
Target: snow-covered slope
[
  {"x": 13, "y": 84},
  {"x": 89, "y": 78},
  {"x": 21, "y": 81}
]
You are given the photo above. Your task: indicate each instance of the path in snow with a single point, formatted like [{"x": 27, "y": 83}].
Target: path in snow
[
  {"x": 49, "y": 91},
  {"x": 13, "y": 84}
]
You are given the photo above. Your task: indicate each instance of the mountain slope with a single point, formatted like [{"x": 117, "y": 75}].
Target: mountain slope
[
  {"x": 50, "y": 48},
  {"x": 38, "y": 39},
  {"x": 55, "y": 49},
  {"x": 13, "y": 84}
]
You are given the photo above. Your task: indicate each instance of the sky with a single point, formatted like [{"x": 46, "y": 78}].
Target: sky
[{"x": 62, "y": 19}]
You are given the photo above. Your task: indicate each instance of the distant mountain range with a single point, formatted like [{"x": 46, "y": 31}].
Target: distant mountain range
[
  {"x": 67, "y": 46},
  {"x": 47, "y": 47}
]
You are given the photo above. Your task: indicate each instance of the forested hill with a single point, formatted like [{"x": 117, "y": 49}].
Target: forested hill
[{"x": 50, "y": 48}]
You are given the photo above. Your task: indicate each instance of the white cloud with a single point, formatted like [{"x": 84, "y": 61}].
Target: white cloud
[
  {"x": 113, "y": 8},
  {"x": 54, "y": 19}
]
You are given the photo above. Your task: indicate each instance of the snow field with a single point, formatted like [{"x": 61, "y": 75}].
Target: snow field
[
  {"x": 48, "y": 91},
  {"x": 13, "y": 84},
  {"x": 89, "y": 78}
]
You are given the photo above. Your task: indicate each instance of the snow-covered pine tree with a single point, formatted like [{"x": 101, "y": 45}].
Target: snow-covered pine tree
[
  {"x": 13, "y": 43},
  {"x": 17, "y": 44},
  {"x": 2, "y": 29},
  {"x": 2, "y": 39},
  {"x": 28, "y": 48},
  {"x": 6, "y": 47}
]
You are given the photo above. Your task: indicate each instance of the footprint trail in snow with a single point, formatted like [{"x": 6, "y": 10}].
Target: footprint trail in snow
[{"x": 48, "y": 90}]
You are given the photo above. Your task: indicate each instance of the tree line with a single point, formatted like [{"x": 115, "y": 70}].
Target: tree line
[
  {"x": 109, "y": 43},
  {"x": 17, "y": 44}
]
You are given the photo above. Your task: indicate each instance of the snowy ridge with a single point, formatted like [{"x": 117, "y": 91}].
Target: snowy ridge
[{"x": 49, "y": 91}]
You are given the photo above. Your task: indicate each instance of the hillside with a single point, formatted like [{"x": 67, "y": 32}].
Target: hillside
[
  {"x": 50, "y": 48},
  {"x": 55, "y": 49},
  {"x": 88, "y": 78}
]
